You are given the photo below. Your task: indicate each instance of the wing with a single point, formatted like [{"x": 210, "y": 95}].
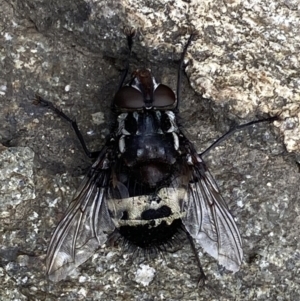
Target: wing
[
  {"x": 85, "y": 225},
  {"x": 208, "y": 219}
]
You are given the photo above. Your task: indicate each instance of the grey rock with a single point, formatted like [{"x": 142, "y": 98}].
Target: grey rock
[{"x": 244, "y": 63}]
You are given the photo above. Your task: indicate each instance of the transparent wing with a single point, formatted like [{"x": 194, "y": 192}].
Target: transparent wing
[
  {"x": 85, "y": 225},
  {"x": 209, "y": 221}
]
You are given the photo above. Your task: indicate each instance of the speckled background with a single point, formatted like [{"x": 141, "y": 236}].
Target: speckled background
[{"x": 244, "y": 63}]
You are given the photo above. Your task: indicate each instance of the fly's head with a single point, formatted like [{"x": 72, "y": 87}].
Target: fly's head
[{"x": 144, "y": 93}]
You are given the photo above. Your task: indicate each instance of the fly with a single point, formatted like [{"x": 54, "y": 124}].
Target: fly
[{"x": 147, "y": 183}]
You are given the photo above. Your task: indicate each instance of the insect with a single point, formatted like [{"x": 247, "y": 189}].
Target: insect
[{"x": 147, "y": 183}]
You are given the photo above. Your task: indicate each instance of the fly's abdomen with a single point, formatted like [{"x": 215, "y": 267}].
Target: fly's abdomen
[{"x": 149, "y": 220}]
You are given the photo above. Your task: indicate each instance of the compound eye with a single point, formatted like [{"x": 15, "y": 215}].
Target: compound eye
[
  {"x": 163, "y": 96},
  {"x": 129, "y": 98}
]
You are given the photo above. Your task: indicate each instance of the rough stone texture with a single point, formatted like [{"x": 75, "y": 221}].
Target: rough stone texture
[
  {"x": 16, "y": 176},
  {"x": 246, "y": 61}
]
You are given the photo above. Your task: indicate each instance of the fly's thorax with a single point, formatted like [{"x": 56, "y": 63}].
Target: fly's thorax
[{"x": 148, "y": 135}]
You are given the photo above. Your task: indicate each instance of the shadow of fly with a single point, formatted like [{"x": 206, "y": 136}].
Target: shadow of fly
[{"x": 148, "y": 183}]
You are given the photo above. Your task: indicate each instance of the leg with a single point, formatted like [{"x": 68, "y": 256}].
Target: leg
[
  {"x": 130, "y": 34},
  {"x": 202, "y": 276},
  {"x": 235, "y": 129},
  {"x": 40, "y": 100},
  {"x": 180, "y": 67}
]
